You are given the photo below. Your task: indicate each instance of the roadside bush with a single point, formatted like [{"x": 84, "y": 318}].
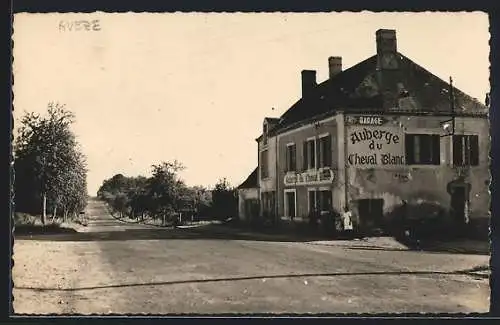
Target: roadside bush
[{"x": 21, "y": 218}]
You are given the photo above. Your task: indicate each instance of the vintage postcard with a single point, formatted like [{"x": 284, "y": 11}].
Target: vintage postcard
[{"x": 208, "y": 163}]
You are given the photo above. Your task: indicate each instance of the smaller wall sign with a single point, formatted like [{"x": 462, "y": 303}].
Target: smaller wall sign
[
  {"x": 368, "y": 120},
  {"x": 402, "y": 176},
  {"x": 323, "y": 176}
]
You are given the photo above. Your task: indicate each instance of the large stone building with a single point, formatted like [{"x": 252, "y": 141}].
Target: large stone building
[{"x": 381, "y": 135}]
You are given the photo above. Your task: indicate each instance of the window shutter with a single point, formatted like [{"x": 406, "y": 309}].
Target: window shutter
[
  {"x": 409, "y": 149},
  {"x": 436, "y": 149},
  {"x": 474, "y": 150},
  {"x": 317, "y": 144},
  {"x": 304, "y": 155},
  {"x": 312, "y": 152},
  {"x": 425, "y": 143},
  {"x": 467, "y": 150},
  {"x": 320, "y": 152},
  {"x": 457, "y": 150},
  {"x": 287, "y": 159},
  {"x": 294, "y": 158},
  {"x": 328, "y": 152},
  {"x": 261, "y": 165}
]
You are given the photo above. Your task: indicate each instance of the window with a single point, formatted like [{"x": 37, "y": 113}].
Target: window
[
  {"x": 264, "y": 169},
  {"x": 422, "y": 149},
  {"x": 291, "y": 157},
  {"x": 465, "y": 150},
  {"x": 325, "y": 151},
  {"x": 309, "y": 154},
  {"x": 320, "y": 200}
]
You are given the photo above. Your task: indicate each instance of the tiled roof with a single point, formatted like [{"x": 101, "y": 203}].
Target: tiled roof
[
  {"x": 251, "y": 181},
  {"x": 362, "y": 88}
]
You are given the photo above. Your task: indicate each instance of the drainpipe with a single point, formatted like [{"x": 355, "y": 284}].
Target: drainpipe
[
  {"x": 276, "y": 199},
  {"x": 346, "y": 171}
]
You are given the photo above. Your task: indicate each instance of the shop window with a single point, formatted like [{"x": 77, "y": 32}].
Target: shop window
[{"x": 320, "y": 200}]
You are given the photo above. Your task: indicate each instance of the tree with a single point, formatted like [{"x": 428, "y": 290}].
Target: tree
[
  {"x": 164, "y": 188},
  {"x": 49, "y": 165},
  {"x": 224, "y": 200},
  {"x": 159, "y": 196},
  {"x": 203, "y": 201}
]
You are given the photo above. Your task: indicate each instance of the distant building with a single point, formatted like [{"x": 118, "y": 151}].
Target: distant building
[
  {"x": 248, "y": 197},
  {"x": 383, "y": 133}
]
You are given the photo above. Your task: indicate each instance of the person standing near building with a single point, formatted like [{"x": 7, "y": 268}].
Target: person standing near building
[{"x": 347, "y": 222}]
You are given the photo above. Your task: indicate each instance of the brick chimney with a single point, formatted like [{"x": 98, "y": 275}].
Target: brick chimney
[
  {"x": 386, "y": 49},
  {"x": 308, "y": 82},
  {"x": 334, "y": 65}
]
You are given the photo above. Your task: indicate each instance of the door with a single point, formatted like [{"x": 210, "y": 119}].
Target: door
[
  {"x": 251, "y": 209},
  {"x": 458, "y": 198},
  {"x": 371, "y": 212},
  {"x": 290, "y": 204},
  {"x": 312, "y": 202}
]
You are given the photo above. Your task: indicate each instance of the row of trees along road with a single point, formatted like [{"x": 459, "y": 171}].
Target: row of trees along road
[
  {"x": 50, "y": 169},
  {"x": 163, "y": 195}
]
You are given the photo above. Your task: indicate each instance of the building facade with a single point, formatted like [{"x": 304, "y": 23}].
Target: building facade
[
  {"x": 381, "y": 136},
  {"x": 248, "y": 197}
]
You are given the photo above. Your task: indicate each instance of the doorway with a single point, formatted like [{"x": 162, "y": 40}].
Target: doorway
[
  {"x": 459, "y": 191},
  {"x": 458, "y": 203},
  {"x": 371, "y": 213},
  {"x": 290, "y": 204},
  {"x": 251, "y": 209}
]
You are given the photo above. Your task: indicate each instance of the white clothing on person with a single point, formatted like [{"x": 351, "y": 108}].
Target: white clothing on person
[{"x": 347, "y": 220}]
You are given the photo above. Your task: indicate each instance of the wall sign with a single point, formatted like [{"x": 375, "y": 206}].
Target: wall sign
[
  {"x": 323, "y": 176},
  {"x": 402, "y": 176},
  {"x": 375, "y": 146},
  {"x": 369, "y": 120}
]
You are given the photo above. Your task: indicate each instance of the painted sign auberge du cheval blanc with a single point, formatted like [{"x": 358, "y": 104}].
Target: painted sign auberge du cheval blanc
[
  {"x": 373, "y": 143},
  {"x": 321, "y": 176}
]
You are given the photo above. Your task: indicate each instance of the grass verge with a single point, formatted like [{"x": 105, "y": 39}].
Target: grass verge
[{"x": 32, "y": 224}]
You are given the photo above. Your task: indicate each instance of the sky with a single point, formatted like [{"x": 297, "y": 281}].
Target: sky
[{"x": 195, "y": 87}]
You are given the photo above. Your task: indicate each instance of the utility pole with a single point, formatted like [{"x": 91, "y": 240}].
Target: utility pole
[{"x": 452, "y": 109}]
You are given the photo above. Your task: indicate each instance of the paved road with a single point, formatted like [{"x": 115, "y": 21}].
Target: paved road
[{"x": 114, "y": 267}]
